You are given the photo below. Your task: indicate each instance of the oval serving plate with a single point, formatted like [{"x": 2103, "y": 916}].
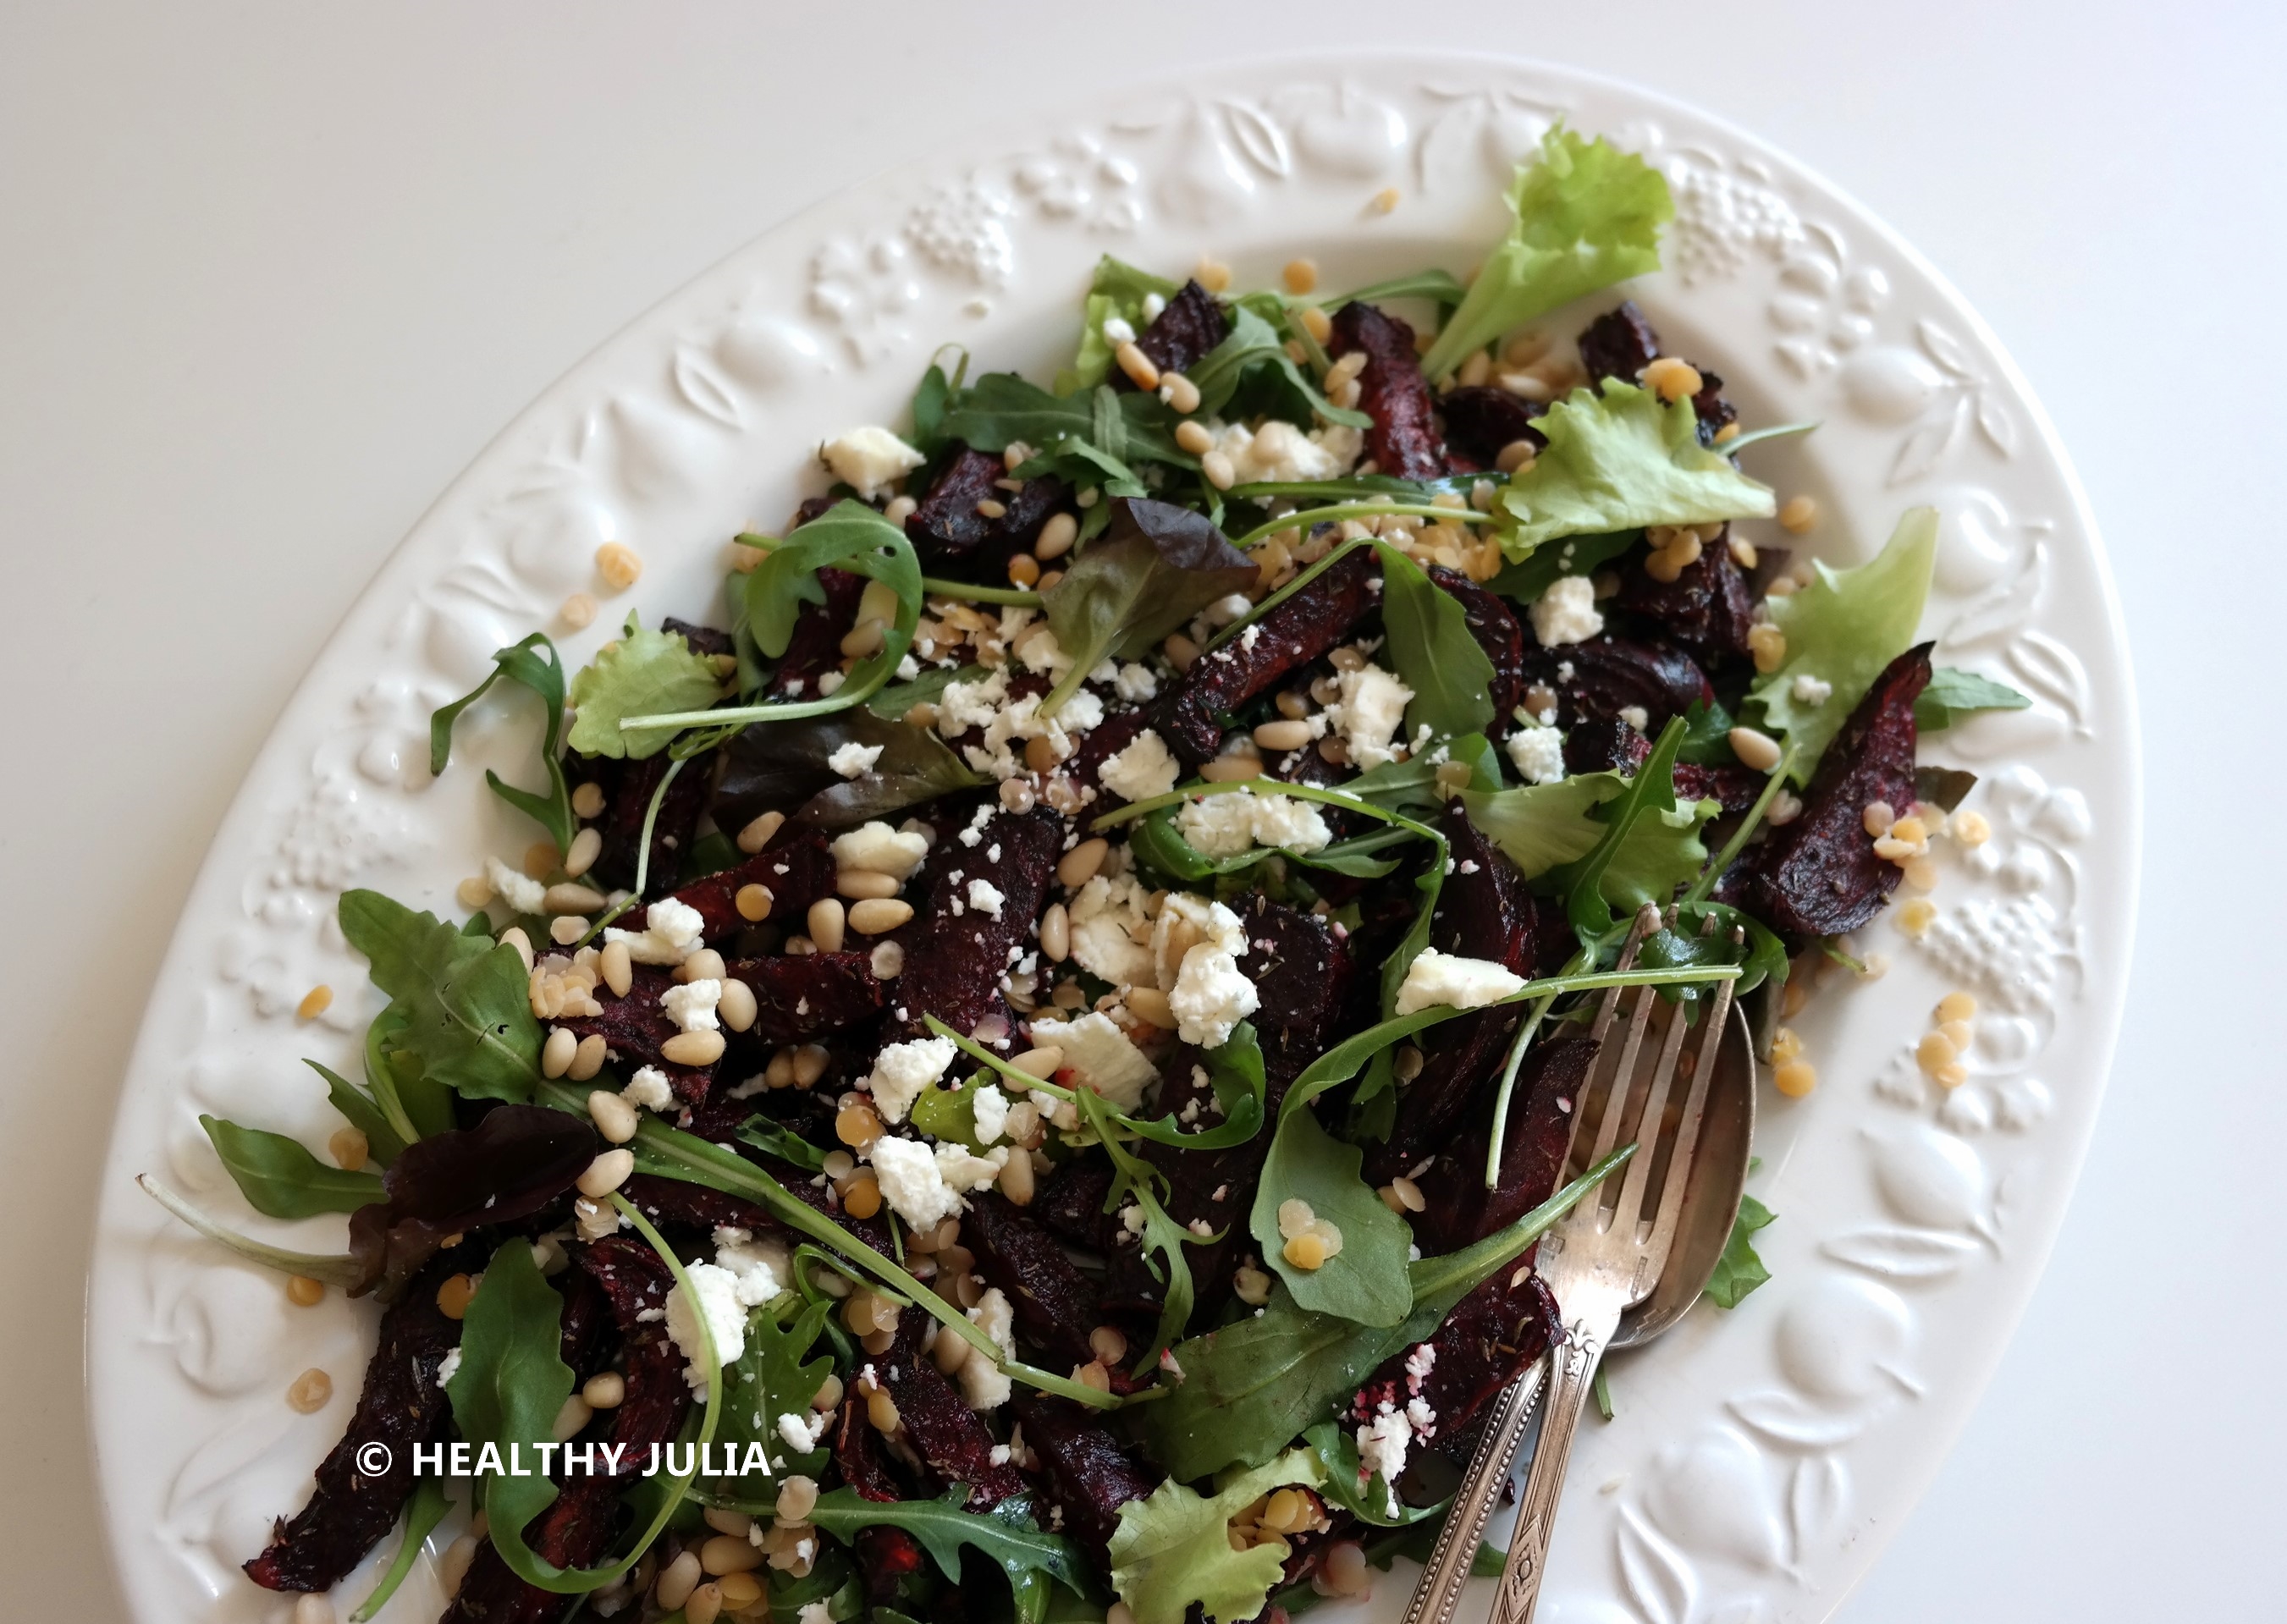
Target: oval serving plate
[{"x": 1760, "y": 1457}]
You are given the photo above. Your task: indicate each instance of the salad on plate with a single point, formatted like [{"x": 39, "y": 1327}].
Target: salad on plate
[{"x": 1019, "y": 1072}]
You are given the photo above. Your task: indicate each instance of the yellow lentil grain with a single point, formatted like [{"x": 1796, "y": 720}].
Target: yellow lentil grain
[
  {"x": 1970, "y": 828},
  {"x": 753, "y": 902},
  {"x": 1213, "y": 275},
  {"x": 578, "y": 610},
  {"x": 1916, "y": 915},
  {"x": 1935, "y": 1049},
  {"x": 1799, "y": 515},
  {"x": 1957, "y": 1006},
  {"x": 618, "y": 564},
  {"x": 348, "y": 1149},
  {"x": 304, "y": 1292},
  {"x": 1300, "y": 275},
  {"x": 1672, "y": 379},
  {"x": 1794, "y": 1079},
  {"x": 311, "y": 1392},
  {"x": 1315, "y": 323},
  {"x": 1305, "y": 1251}
]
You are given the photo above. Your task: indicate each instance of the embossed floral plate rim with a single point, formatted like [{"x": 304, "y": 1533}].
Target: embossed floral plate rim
[{"x": 1761, "y": 1457}]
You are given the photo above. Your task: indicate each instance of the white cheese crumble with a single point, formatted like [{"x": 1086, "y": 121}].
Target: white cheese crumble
[
  {"x": 717, "y": 1291},
  {"x": 763, "y": 1268},
  {"x": 1567, "y": 613},
  {"x": 1538, "y": 753},
  {"x": 982, "y": 1382},
  {"x": 925, "y": 1187},
  {"x": 448, "y": 1367},
  {"x": 1226, "y": 825},
  {"x": 521, "y": 892},
  {"x": 1111, "y": 929},
  {"x": 1097, "y": 1052},
  {"x": 1279, "y": 450},
  {"x": 884, "y": 850},
  {"x": 1136, "y": 683},
  {"x": 1810, "y": 690},
  {"x": 985, "y": 898},
  {"x": 1451, "y": 979},
  {"x": 990, "y": 1107},
  {"x": 1636, "y": 717},
  {"x": 1371, "y": 707},
  {"x": 650, "y": 1089},
  {"x": 1383, "y": 1443},
  {"x": 1211, "y": 998},
  {"x": 672, "y": 933},
  {"x": 803, "y": 1432},
  {"x": 1143, "y": 767},
  {"x": 691, "y": 1006},
  {"x": 869, "y": 460},
  {"x": 854, "y": 759},
  {"x": 901, "y": 1071}
]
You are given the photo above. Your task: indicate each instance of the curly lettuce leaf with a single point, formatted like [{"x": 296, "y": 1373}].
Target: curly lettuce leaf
[
  {"x": 1173, "y": 1548},
  {"x": 1587, "y": 215},
  {"x": 1621, "y": 461},
  {"x": 1153, "y": 568},
  {"x": 1116, "y": 289},
  {"x": 1739, "y": 1271},
  {"x": 1843, "y": 629},
  {"x": 643, "y": 673}
]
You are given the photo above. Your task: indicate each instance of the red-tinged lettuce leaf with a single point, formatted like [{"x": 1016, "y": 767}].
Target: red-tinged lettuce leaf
[
  {"x": 782, "y": 767},
  {"x": 1155, "y": 566}
]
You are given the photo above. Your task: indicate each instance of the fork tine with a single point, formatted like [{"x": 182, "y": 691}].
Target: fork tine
[
  {"x": 1637, "y": 1178},
  {"x": 1621, "y": 1077},
  {"x": 1687, "y": 1131},
  {"x": 1646, "y": 921}
]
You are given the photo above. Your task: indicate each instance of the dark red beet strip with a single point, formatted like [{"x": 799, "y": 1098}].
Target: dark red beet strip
[{"x": 1403, "y": 440}]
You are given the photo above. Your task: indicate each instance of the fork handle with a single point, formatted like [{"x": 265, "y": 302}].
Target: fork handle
[
  {"x": 1575, "y": 1373},
  {"x": 1447, "y": 1574}
]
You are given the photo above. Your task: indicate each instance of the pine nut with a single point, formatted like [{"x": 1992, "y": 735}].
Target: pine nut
[
  {"x": 1057, "y": 535},
  {"x": 587, "y": 846},
  {"x": 809, "y": 1064},
  {"x": 1218, "y": 470},
  {"x": 1079, "y": 865},
  {"x": 588, "y": 1059},
  {"x": 881, "y": 1410},
  {"x": 607, "y": 1390},
  {"x": 304, "y": 1292},
  {"x": 1283, "y": 735},
  {"x": 573, "y": 899},
  {"x": 607, "y": 1173},
  {"x": 1230, "y": 768},
  {"x": 860, "y": 884},
  {"x": 1149, "y": 1003},
  {"x": 705, "y": 965},
  {"x": 877, "y": 914},
  {"x": 311, "y": 1392},
  {"x": 566, "y": 928},
  {"x": 862, "y": 640},
  {"x": 1517, "y": 457},
  {"x": 1194, "y": 438},
  {"x": 1799, "y": 515},
  {"x": 474, "y": 891},
  {"x": 453, "y": 1566},
  {"x": 1754, "y": 749},
  {"x": 539, "y": 859},
  {"x": 588, "y": 800},
  {"x": 312, "y": 1608},
  {"x": 1475, "y": 369},
  {"x": 556, "y": 1054},
  {"x": 1300, "y": 275},
  {"x": 1140, "y": 372},
  {"x": 730, "y": 1554},
  {"x": 677, "y": 1580},
  {"x": 759, "y": 832},
  {"x": 827, "y": 921},
  {"x": 1017, "y": 1179},
  {"x": 1181, "y": 651},
  {"x": 618, "y": 564},
  {"x": 1043, "y": 1062},
  {"x": 1179, "y": 392},
  {"x": 1315, "y": 323},
  {"x": 314, "y": 1002},
  {"x": 694, "y": 1049},
  {"x": 572, "y": 1418},
  {"x": 618, "y": 970},
  {"x": 348, "y": 1149},
  {"x": 615, "y": 1118},
  {"x": 737, "y": 1007}
]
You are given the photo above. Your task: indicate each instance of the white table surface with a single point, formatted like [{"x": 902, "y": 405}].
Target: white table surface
[{"x": 270, "y": 273}]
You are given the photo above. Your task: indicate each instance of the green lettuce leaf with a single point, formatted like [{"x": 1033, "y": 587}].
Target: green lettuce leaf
[
  {"x": 643, "y": 673},
  {"x": 1172, "y": 1549},
  {"x": 774, "y": 1376},
  {"x": 1155, "y": 566},
  {"x": 1116, "y": 289},
  {"x": 1365, "y": 1281},
  {"x": 1369, "y": 1501},
  {"x": 280, "y": 1178},
  {"x": 1544, "y": 827},
  {"x": 462, "y": 1000},
  {"x": 520, "y": 662},
  {"x": 1435, "y": 655},
  {"x": 1738, "y": 1271},
  {"x": 1587, "y": 215},
  {"x": 1526, "y": 580},
  {"x": 1252, "y": 365},
  {"x": 1842, "y": 629},
  {"x": 1621, "y": 461},
  {"x": 512, "y": 1380},
  {"x": 1008, "y": 1534},
  {"x": 1953, "y": 694}
]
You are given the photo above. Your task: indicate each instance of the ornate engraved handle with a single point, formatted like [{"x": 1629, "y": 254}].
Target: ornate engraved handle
[
  {"x": 1528, "y": 1550},
  {"x": 1447, "y": 1572}
]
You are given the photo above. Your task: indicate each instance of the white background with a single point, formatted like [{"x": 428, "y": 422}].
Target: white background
[{"x": 270, "y": 273}]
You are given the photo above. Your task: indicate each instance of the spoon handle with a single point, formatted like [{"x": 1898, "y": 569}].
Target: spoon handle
[
  {"x": 1575, "y": 1363},
  {"x": 1447, "y": 1574}
]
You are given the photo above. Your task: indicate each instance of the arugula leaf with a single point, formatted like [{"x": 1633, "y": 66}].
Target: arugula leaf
[
  {"x": 382, "y": 1139},
  {"x": 466, "y": 1015},
  {"x": 1235, "y": 1071},
  {"x": 1529, "y": 577},
  {"x": 1433, "y": 651},
  {"x": 1438, "y": 287},
  {"x": 1368, "y": 1500},
  {"x": 1163, "y": 1239},
  {"x": 642, "y": 673},
  {"x": 1738, "y": 1271},
  {"x": 1172, "y": 1548},
  {"x": 1843, "y": 629},
  {"x": 1760, "y": 956},
  {"x": 1253, "y": 353},
  {"x": 512, "y": 1380},
  {"x": 772, "y": 1376},
  {"x": 520, "y": 662},
  {"x": 776, "y": 1139},
  {"x": 932, "y": 396},
  {"x": 1366, "y": 1280},
  {"x": 949, "y": 1113},
  {"x": 848, "y": 536},
  {"x": 1708, "y": 736},
  {"x": 1587, "y": 215},
  {"x": 335, "y": 1268},
  {"x": 787, "y": 763},
  {"x": 423, "y": 1513},
  {"x": 416, "y": 1103},
  {"x": 1001, "y": 406},
  {"x": 1412, "y": 785},
  {"x": 1621, "y": 460},
  {"x": 1639, "y": 861},
  {"x": 1118, "y": 289},
  {"x": 1156, "y": 842},
  {"x": 1253, "y": 1386},
  {"x": 1544, "y": 827},
  {"x": 1953, "y": 694},
  {"x": 1006, "y": 1534},
  {"x": 280, "y": 1178},
  {"x": 1154, "y": 568}
]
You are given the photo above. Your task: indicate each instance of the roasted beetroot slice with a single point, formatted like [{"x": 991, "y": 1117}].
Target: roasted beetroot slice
[
  {"x": 815, "y": 645},
  {"x": 1733, "y": 788},
  {"x": 1180, "y": 337},
  {"x": 1460, "y": 1210},
  {"x": 957, "y": 953},
  {"x": 935, "y": 1420},
  {"x": 1480, "y": 422},
  {"x": 1392, "y": 390},
  {"x": 572, "y": 1531},
  {"x": 674, "y": 1202},
  {"x": 1818, "y": 875},
  {"x": 1098, "y": 746},
  {"x": 702, "y": 639},
  {"x": 1055, "y": 1305},
  {"x": 1303, "y": 975},
  {"x": 1089, "y": 1476},
  {"x": 634, "y": 1028},
  {"x": 1605, "y": 675},
  {"x": 799, "y": 999},
  {"x": 1484, "y": 911},
  {"x": 1497, "y": 632},
  {"x": 1619, "y": 345},
  {"x": 629, "y": 797},
  {"x": 796, "y": 868},
  {"x": 1071, "y": 1204},
  {"x": 1294, "y": 634},
  {"x": 1706, "y": 610},
  {"x": 400, "y": 1405},
  {"x": 1604, "y": 745},
  {"x": 886, "y": 1556},
  {"x": 1715, "y": 413},
  {"x": 946, "y": 527},
  {"x": 1492, "y": 1333}
]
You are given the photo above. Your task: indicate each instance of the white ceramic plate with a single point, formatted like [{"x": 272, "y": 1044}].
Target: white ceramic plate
[{"x": 1761, "y": 1457}]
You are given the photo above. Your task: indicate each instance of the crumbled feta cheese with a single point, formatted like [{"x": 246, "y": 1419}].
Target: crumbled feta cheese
[
  {"x": 522, "y": 893},
  {"x": 982, "y": 1382},
  {"x": 672, "y": 932},
  {"x": 925, "y": 1187},
  {"x": 1280, "y": 451},
  {"x": 875, "y": 846},
  {"x": 1810, "y": 690},
  {"x": 1135, "y": 683},
  {"x": 1225, "y": 610},
  {"x": 1371, "y": 707},
  {"x": 691, "y": 1006},
  {"x": 1186, "y": 922},
  {"x": 854, "y": 759},
  {"x": 1141, "y": 769},
  {"x": 1382, "y": 1445},
  {"x": 1538, "y": 753},
  {"x": 803, "y": 1432},
  {"x": 1116, "y": 331},
  {"x": 1636, "y": 717},
  {"x": 1097, "y": 1052},
  {"x": 829, "y": 683},
  {"x": 1226, "y": 825},
  {"x": 1210, "y": 997},
  {"x": 1567, "y": 613},
  {"x": 1110, "y": 927},
  {"x": 448, "y": 1367},
  {"x": 814, "y": 1612},
  {"x": 990, "y": 1107},
  {"x": 972, "y": 703},
  {"x": 870, "y": 459},
  {"x": 901, "y": 1071},
  {"x": 650, "y": 1089},
  {"x": 726, "y": 1317},
  {"x": 1153, "y": 304},
  {"x": 763, "y": 1268},
  {"x": 1290, "y": 824},
  {"x": 985, "y": 898},
  {"x": 1435, "y": 978}
]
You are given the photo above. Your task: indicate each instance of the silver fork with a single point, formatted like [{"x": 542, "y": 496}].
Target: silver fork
[{"x": 1598, "y": 1266}]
